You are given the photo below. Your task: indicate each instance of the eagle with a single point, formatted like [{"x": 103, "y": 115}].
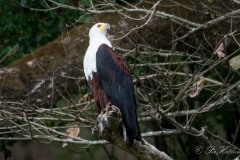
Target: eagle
[{"x": 109, "y": 80}]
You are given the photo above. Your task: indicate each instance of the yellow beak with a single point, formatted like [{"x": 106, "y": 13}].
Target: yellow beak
[{"x": 104, "y": 26}]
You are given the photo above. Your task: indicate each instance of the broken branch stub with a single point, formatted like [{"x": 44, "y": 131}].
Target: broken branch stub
[{"x": 109, "y": 120}]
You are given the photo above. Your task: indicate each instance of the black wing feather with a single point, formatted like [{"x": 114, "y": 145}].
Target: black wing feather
[{"x": 118, "y": 87}]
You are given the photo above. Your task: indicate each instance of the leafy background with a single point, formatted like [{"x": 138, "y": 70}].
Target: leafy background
[{"x": 30, "y": 29}]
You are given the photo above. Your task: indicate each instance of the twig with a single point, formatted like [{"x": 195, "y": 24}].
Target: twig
[{"x": 11, "y": 52}]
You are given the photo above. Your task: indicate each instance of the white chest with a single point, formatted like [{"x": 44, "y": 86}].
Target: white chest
[{"x": 89, "y": 61}]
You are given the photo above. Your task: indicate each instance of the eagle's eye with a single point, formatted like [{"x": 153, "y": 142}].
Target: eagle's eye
[{"x": 99, "y": 25}]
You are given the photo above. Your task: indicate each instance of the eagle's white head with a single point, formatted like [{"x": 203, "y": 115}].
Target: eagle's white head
[{"x": 99, "y": 29}]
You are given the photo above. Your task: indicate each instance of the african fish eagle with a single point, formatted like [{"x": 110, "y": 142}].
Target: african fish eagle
[{"x": 109, "y": 80}]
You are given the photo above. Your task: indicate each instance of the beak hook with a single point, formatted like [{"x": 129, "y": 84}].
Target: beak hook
[{"x": 108, "y": 26}]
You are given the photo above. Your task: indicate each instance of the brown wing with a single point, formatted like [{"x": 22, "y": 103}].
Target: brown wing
[{"x": 97, "y": 91}]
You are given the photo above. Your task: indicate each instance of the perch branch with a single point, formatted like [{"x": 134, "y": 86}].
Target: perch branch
[{"x": 109, "y": 123}]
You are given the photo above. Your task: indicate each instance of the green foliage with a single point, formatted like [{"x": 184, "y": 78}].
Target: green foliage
[{"x": 31, "y": 29}]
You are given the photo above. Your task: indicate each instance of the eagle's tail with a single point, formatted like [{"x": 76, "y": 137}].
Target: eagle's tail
[{"x": 133, "y": 130}]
